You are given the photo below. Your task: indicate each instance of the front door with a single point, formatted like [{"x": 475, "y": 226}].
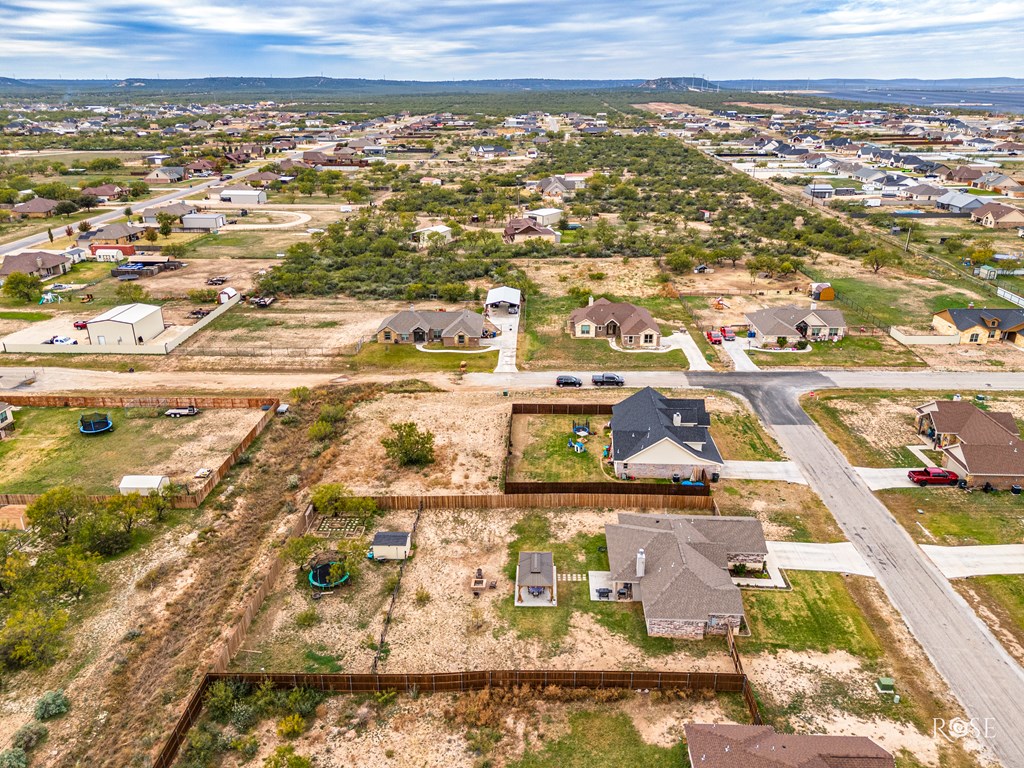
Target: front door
[{"x": 419, "y": 336}]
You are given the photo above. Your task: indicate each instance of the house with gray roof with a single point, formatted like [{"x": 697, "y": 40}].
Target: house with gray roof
[
  {"x": 959, "y": 202},
  {"x": 631, "y": 326},
  {"x": 794, "y": 323},
  {"x": 678, "y": 566},
  {"x": 42, "y": 264},
  {"x": 725, "y": 745},
  {"x": 981, "y": 325},
  {"x": 656, "y": 436},
  {"x": 463, "y": 328}
]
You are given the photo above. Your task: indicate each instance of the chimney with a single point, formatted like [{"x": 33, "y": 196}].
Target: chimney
[
  {"x": 39, "y": 261},
  {"x": 814, "y": 305},
  {"x": 590, "y": 301},
  {"x": 641, "y": 563},
  {"x": 677, "y": 419}
]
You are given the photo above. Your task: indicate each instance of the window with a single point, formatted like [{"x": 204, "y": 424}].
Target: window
[
  {"x": 600, "y": 328},
  {"x": 974, "y": 338},
  {"x": 648, "y": 338},
  {"x": 387, "y": 335},
  {"x": 405, "y": 337},
  {"x": 992, "y": 334},
  {"x": 833, "y": 331},
  {"x": 3, "y": 416},
  {"x": 462, "y": 338},
  {"x": 816, "y": 331},
  {"x": 629, "y": 339},
  {"x": 584, "y": 329}
]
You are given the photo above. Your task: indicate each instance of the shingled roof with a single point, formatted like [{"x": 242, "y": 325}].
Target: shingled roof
[
  {"x": 631, "y": 319},
  {"x": 782, "y": 321},
  {"x": 428, "y": 320},
  {"x": 1003, "y": 319},
  {"x": 648, "y": 417},
  {"x": 759, "y": 746},
  {"x": 989, "y": 442}
]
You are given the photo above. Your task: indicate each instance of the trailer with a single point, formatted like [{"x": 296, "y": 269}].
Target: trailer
[{"x": 177, "y": 413}]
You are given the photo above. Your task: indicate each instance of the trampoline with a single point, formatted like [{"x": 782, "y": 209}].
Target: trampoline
[
  {"x": 320, "y": 573},
  {"x": 95, "y": 423}
]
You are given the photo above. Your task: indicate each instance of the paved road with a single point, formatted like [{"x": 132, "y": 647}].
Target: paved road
[{"x": 979, "y": 671}]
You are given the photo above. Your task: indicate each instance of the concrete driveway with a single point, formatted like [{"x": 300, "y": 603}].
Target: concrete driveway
[
  {"x": 992, "y": 560},
  {"x": 507, "y": 341},
  {"x": 684, "y": 341},
  {"x": 737, "y": 351},
  {"x": 785, "y": 471},
  {"x": 887, "y": 477},
  {"x": 834, "y": 558}
]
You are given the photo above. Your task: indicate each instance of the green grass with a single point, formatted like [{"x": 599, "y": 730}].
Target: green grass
[
  {"x": 818, "y": 614},
  {"x": 579, "y": 555},
  {"x": 795, "y": 507},
  {"x": 547, "y": 458},
  {"x": 48, "y": 450},
  {"x": 318, "y": 662},
  {"x": 602, "y": 740},
  {"x": 406, "y": 358},
  {"x": 851, "y": 352},
  {"x": 28, "y": 317},
  {"x": 955, "y": 517},
  {"x": 546, "y": 345},
  {"x": 740, "y": 437}
]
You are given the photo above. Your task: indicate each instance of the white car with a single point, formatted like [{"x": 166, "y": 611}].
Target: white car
[{"x": 61, "y": 340}]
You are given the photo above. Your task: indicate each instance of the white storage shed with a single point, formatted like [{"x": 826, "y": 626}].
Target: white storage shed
[
  {"x": 143, "y": 485},
  {"x": 130, "y": 325}
]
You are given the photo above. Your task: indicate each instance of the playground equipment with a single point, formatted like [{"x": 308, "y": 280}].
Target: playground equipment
[
  {"x": 581, "y": 428},
  {"x": 720, "y": 303},
  {"x": 576, "y": 446},
  {"x": 88, "y": 298},
  {"x": 320, "y": 570},
  {"x": 95, "y": 423},
  {"x": 51, "y": 298}
]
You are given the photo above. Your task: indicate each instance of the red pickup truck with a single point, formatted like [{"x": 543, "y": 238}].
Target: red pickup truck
[
  {"x": 932, "y": 476},
  {"x": 715, "y": 337}
]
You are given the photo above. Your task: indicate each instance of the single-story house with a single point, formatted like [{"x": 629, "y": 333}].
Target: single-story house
[
  {"x": 36, "y": 208},
  {"x": 795, "y": 323},
  {"x": 677, "y": 566},
  {"x": 958, "y": 202},
  {"x": 504, "y": 296},
  {"x": 980, "y": 326},
  {"x": 725, "y": 745},
  {"x": 632, "y": 326},
  {"x": 981, "y": 446},
  {"x": 112, "y": 234},
  {"x": 998, "y": 216},
  {"x": 430, "y": 181},
  {"x": 922, "y": 192},
  {"x": 437, "y": 233},
  {"x": 263, "y": 179},
  {"x": 42, "y": 264},
  {"x": 106, "y": 192},
  {"x": 176, "y": 210},
  {"x": 208, "y": 221},
  {"x": 166, "y": 174},
  {"x": 130, "y": 325},
  {"x": 656, "y": 436},
  {"x": 144, "y": 485},
  {"x": 391, "y": 545},
  {"x": 536, "y": 573},
  {"x": 463, "y": 328},
  {"x": 244, "y": 195},
  {"x": 820, "y": 191},
  {"x": 526, "y": 229},
  {"x": 546, "y": 217}
]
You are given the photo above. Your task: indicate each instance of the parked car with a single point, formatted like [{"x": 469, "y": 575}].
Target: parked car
[
  {"x": 81, "y": 325},
  {"x": 568, "y": 381},
  {"x": 60, "y": 340},
  {"x": 933, "y": 476},
  {"x": 607, "y": 380},
  {"x": 728, "y": 334},
  {"x": 715, "y": 337},
  {"x": 219, "y": 280}
]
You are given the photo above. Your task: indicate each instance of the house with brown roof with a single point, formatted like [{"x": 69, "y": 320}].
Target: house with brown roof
[
  {"x": 794, "y": 323},
  {"x": 463, "y": 328},
  {"x": 36, "y": 208},
  {"x": 725, "y": 745},
  {"x": 998, "y": 216},
  {"x": 106, "y": 192},
  {"x": 42, "y": 264},
  {"x": 964, "y": 175},
  {"x": 982, "y": 446},
  {"x": 631, "y": 326},
  {"x": 527, "y": 229},
  {"x": 677, "y": 567}
]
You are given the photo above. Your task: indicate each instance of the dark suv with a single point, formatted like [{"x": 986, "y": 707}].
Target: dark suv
[{"x": 568, "y": 381}]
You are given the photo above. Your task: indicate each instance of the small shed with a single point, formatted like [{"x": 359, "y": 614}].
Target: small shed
[
  {"x": 535, "y": 580},
  {"x": 822, "y": 292},
  {"x": 204, "y": 221},
  {"x": 144, "y": 485},
  {"x": 226, "y": 294},
  {"x": 391, "y": 545}
]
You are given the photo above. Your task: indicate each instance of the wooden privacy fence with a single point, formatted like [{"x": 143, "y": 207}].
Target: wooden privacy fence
[
  {"x": 561, "y": 409},
  {"x": 624, "y": 499},
  {"x": 631, "y": 488},
  {"x": 453, "y": 682},
  {"x": 181, "y": 501}
]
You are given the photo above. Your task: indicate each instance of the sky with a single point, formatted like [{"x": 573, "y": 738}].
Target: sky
[{"x": 480, "y": 39}]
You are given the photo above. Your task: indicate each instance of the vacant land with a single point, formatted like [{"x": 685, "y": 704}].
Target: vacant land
[
  {"x": 621, "y": 277},
  {"x": 787, "y": 511},
  {"x": 241, "y": 274},
  {"x": 952, "y": 517},
  {"x": 999, "y": 602},
  {"x": 47, "y": 449},
  {"x": 406, "y": 358}
]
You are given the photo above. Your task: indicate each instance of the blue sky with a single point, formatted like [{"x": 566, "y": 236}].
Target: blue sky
[{"x": 469, "y": 39}]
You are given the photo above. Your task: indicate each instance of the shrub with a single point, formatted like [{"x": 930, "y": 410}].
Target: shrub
[
  {"x": 307, "y": 618},
  {"x": 291, "y": 726},
  {"x": 246, "y": 746},
  {"x": 52, "y": 704},
  {"x": 285, "y": 757},
  {"x": 410, "y": 446},
  {"x": 292, "y": 482},
  {"x": 243, "y": 716},
  {"x": 390, "y": 583},
  {"x": 221, "y": 697},
  {"x": 299, "y": 394},
  {"x": 204, "y": 745},
  {"x": 336, "y": 499},
  {"x": 202, "y": 296},
  {"x": 303, "y": 701},
  {"x": 14, "y": 757},
  {"x": 597, "y": 275},
  {"x": 802, "y": 344},
  {"x": 321, "y": 431},
  {"x": 29, "y": 736},
  {"x": 422, "y": 596},
  {"x": 332, "y": 414}
]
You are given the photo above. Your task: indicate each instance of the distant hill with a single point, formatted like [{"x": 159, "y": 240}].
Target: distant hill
[
  {"x": 678, "y": 84},
  {"x": 12, "y": 87},
  {"x": 847, "y": 83}
]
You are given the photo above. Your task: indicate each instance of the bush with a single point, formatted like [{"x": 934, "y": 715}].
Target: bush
[
  {"x": 285, "y": 757},
  {"x": 221, "y": 697},
  {"x": 243, "y": 716},
  {"x": 13, "y": 758},
  {"x": 422, "y": 596},
  {"x": 152, "y": 578},
  {"x": 299, "y": 394},
  {"x": 202, "y": 296},
  {"x": 307, "y": 618},
  {"x": 29, "y": 736},
  {"x": 321, "y": 431},
  {"x": 303, "y": 701},
  {"x": 291, "y": 726},
  {"x": 52, "y": 704},
  {"x": 802, "y": 344},
  {"x": 410, "y": 446},
  {"x": 332, "y": 414},
  {"x": 246, "y": 746}
]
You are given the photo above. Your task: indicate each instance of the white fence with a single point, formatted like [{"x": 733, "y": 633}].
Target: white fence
[
  {"x": 912, "y": 339},
  {"x": 1013, "y": 298},
  {"x": 145, "y": 349}
]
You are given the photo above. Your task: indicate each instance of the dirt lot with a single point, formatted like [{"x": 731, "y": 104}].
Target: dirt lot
[
  {"x": 970, "y": 357},
  {"x": 177, "y": 283},
  {"x": 556, "y": 276}
]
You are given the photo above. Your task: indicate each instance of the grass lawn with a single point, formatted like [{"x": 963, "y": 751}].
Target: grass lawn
[
  {"x": 547, "y": 345},
  {"x": 28, "y": 316},
  {"x": 1003, "y": 598},
  {"x": 740, "y": 437},
  {"x": 545, "y": 455},
  {"x": 794, "y": 507},
  {"x": 852, "y": 352},
  {"x": 955, "y": 517},
  {"x": 580, "y": 555},
  {"x": 818, "y": 614},
  {"x": 245, "y": 244},
  {"x": 405, "y": 357},
  {"x": 602, "y": 739},
  {"x": 48, "y": 450}
]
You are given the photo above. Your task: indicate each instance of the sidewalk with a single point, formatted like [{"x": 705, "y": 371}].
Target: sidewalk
[{"x": 785, "y": 471}]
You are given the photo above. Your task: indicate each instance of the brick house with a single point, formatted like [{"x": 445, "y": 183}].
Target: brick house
[
  {"x": 39, "y": 263},
  {"x": 677, "y": 566},
  {"x": 631, "y": 326},
  {"x": 463, "y": 328},
  {"x": 656, "y": 436},
  {"x": 725, "y": 745},
  {"x": 981, "y": 446}
]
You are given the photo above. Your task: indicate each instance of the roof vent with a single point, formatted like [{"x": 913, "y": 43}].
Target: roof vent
[
  {"x": 677, "y": 419},
  {"x": 535, "y": 563},
  {"x": 641, "y": 563}
]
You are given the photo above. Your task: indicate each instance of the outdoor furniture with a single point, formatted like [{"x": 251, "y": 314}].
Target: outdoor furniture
[{"x": 604, "y": 593}]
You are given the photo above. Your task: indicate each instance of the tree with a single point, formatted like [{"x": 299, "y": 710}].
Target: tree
[
  {"x": 57, "y": 512},
  {"x": 68, "y": 571},
  {"x": 131, "y": 293},
  {"x": 879, "y": 258},
  {"x": 65, "y": 208},
  {"x": 138, "y": 189},
  {"x": 14, "y": 563},
  {"x": 410, "y": 446},
  {"x": 87, "y": 201},
  {"x": 306, "y": 188},
  {"x": 30, "y": 636},
  {"x": 126, "y": 511},
  {"x": 328, "y": 189},
  {"x": 84, "y": 226},
  {"x": 166, "y": 221},
  {"x": 336, "y": 499},
  {"x": 175, "y": 250},
  {"x": 22, "y": 286},
  {"x": 151, "y": 235},
  {"x": 49, "y": 234}
]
